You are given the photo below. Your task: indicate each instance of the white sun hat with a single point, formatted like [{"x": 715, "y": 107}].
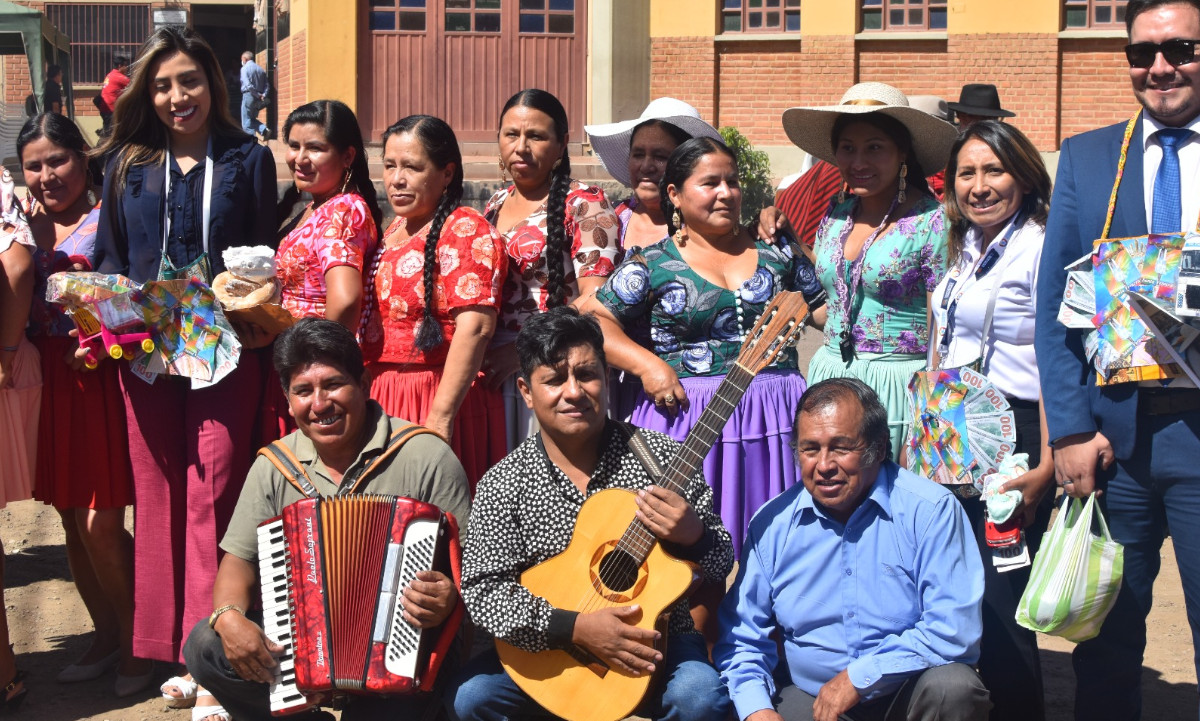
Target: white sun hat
[
  {"x": 811, "y": 128},
  {"x": 611, "y": 141}
]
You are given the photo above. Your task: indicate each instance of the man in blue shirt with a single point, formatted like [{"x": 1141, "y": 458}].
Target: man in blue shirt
[
  {"x": 254, "y": 96},
  {"x": 868, "y": 574}
]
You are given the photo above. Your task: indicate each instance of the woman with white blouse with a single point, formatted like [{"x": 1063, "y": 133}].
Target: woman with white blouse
[{"x": 997, "y": 198}]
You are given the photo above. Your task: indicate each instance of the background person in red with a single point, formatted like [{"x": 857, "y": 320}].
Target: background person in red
[{"x": 114, "y": 84}]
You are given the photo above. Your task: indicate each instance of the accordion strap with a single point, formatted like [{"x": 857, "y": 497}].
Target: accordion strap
[{"x": 287, "y": 464}]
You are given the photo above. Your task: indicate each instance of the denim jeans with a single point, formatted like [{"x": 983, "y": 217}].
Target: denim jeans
[
  {"x": 1159, "y": 487},
  {"x": 250, "y": 122},
  {"x": 693, "y": 690}
]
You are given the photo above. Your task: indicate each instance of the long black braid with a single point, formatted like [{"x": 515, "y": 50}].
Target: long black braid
[
  {"x": 440, "y": 144},
  {"x": 557, "y": 244}
]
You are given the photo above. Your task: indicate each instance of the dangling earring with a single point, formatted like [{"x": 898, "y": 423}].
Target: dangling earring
[
  {"x": 903, "y": 182},
  {"x": 346, "y": 182},
  {"x": 91, "y": 196},
  {"x": 503, "y": 171},
  {"x": 841, "y": 194},
  {"x": 557, "y": 164},
  {"x": 680, "y": 237}
]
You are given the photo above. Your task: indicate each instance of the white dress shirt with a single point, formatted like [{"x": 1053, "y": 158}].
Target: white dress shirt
[
  {"x": 1189, "y": 170},
  {"x": 1011, "y": 363}
]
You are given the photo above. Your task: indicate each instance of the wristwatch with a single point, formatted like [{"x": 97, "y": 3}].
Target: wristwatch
[{"x": 212, "y": 620}]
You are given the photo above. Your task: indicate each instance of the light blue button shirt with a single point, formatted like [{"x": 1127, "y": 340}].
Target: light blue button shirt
[{"x": 894, "y": 591}]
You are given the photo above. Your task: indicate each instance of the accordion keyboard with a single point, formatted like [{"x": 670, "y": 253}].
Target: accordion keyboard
[
  {"x": 404, "y": 640},
  {"x": 277, "y": 625}
]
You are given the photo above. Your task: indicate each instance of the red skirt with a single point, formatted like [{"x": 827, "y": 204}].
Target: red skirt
[
  {"x": 83, "y": 449},
  {"x": 479, "y": 438}
]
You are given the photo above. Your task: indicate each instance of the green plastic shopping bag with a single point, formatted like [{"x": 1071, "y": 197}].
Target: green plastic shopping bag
[{"x": 1076, "y": 574}]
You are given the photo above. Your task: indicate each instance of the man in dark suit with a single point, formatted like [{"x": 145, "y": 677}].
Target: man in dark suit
[{"x": 1138, "y": 443}]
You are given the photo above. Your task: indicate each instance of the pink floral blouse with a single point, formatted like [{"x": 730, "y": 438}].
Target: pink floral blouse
[
  {"x": 593, "y": 229},
  {"x": 339, "y": 232}
]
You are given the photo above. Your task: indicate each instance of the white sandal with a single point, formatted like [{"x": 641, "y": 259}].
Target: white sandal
[
  {"x": 187, "y": 692},
  {"x": 199, "y": 713}
]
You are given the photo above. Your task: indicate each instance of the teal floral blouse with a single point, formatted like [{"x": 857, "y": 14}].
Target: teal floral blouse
[
  {"x": 695, "y": 325},
  {"x": 898, "y": 270}
]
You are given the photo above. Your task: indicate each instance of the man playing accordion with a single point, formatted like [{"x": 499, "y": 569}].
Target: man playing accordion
[{"x": 340, "y": 433}]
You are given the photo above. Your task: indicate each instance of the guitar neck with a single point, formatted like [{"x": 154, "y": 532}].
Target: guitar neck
[{"x": 707, "y": 429}]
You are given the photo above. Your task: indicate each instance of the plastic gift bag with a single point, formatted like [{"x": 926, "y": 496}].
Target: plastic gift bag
[{"x": 1076, "y": 575}]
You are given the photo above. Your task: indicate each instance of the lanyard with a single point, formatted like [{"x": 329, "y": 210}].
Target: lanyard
[
  {"x": 207, "y": 208},
  {"x": 846, "y": 288},
  {"x": 983, "y": 266}
]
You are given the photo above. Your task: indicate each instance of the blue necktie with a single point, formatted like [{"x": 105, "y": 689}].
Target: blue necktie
[{"x": 1167, "y": 214}]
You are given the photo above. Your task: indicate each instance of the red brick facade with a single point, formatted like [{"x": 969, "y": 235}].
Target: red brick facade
[
  {"x": 292, "y": 74},
  {"x": 1057, "y": 87}
]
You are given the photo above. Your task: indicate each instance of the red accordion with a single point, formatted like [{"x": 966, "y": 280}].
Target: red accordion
[{"x": 333, "y": 571}]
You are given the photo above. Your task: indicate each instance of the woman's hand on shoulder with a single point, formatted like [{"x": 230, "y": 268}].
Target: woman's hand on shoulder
[
  {"x": 661, "y": 384},
  {"x": 770, "y": 223}
]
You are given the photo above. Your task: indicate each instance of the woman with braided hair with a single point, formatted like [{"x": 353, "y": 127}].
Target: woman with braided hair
[
  {"x": 437, "y": 281},
  {"x": 323, "y": 251},
  {"x": 561, "y": 235}
]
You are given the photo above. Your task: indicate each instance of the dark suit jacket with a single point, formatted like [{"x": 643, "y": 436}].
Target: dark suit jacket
[
  {"x": 1087, "y": 167},
  {"x": 129, "y": 238}
]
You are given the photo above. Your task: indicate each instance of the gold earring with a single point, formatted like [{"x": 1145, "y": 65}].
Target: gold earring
[
  {"x": 680, "y": 236},
  {"x": 903, "y": 182},
  {"x": 346, "y": 181},
  {"x": 503, "y": 170},
  {"x": 841, "y": 194},
  {"x": 557, "y": 164}
]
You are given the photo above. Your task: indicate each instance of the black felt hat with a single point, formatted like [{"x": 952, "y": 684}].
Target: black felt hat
[{"x": 980, "y": 99}]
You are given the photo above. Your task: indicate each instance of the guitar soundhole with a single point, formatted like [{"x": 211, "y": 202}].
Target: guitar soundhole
[{"x": 618, "y": 571}]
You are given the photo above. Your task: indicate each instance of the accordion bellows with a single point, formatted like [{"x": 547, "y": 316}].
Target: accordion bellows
[{"x": 333, "y": 572}]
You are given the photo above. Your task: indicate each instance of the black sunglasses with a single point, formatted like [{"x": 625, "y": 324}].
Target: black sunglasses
[{"x": 1175, "y": 52}]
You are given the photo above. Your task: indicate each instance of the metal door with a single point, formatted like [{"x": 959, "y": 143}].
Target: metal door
[{"x": 461, "y": 59}]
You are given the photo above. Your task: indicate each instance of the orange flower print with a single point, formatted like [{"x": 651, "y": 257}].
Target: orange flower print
[
  {"x": 464, "y": 227},
  {"x": 384, "y": 274},
  {"x": 397, "y": 309},
  {"x": 483, "y": 251},
  {"x": 410, "y": 264},
  {"x": 448, "y": 260},
  {"x": 468, "y": 287}
]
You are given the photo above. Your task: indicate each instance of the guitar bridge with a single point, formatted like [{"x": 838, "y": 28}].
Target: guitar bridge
[{"x": 589, "y": 660}]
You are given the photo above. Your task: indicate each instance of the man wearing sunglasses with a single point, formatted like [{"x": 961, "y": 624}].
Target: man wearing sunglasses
[{"x": 1136, "y": 443}]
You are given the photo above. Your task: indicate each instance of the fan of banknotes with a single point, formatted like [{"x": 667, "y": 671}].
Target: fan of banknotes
[
  {"x": 1120, "y": 345},
  {"x": 962, "y": 428}
]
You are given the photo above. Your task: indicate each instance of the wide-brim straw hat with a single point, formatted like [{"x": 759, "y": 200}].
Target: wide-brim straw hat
[
  {"x": 611, "y": 141},
  {"x": 811, "y": 128}
]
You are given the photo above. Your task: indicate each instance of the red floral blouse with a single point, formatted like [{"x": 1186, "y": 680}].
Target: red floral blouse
[
  {"x": 472, "y": 267},
  {"x": 339, "y": 232},
  {"x": 593, "y": 229}
]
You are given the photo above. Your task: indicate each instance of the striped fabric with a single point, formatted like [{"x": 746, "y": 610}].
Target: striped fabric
[
  {"x": 1076, "y": 576},
  {"x": 806, "y": 201}
]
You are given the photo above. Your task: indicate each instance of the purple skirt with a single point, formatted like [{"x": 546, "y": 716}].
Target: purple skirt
[{"x": 753, "y": 460}]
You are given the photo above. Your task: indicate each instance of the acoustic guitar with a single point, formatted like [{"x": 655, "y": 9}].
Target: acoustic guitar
[{"x": 613, "y": 560}]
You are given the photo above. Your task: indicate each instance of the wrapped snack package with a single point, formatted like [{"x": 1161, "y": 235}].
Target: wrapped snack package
[
  {"x": 249, "y": 278},
  {"x": 248, "y": 290}
]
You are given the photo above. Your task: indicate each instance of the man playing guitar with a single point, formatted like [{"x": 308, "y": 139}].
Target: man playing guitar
[{"x": 525, "y": 512}]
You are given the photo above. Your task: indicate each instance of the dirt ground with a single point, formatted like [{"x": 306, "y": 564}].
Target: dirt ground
[{"x": 49, "y": 628}]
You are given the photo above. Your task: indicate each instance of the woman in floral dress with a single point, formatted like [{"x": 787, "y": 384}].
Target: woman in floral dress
[
  {"x": 437, "y": 282},
  {"x": 560, "y": 235},
  {"x": 702, "y": 290},
  {"x": 881, "y": 249},
  {"x": 321, "y": 259}
]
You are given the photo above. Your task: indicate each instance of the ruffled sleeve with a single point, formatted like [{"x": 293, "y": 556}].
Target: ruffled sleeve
[{"x": 472, "y": 261}]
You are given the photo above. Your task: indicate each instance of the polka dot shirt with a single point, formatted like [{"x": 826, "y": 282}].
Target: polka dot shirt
[{"x": 524, "y": 512}]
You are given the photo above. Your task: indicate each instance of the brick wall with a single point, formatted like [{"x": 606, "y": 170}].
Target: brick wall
[
  {"x": 291, "y": 77},
  {"x": 1058, "y": 88},
  {"x": 1095, "y": 85},
  {"x": 685, "y": 68},
  {"x": 918, "y": 67},
  {"x": 1024, "y": 69}
]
